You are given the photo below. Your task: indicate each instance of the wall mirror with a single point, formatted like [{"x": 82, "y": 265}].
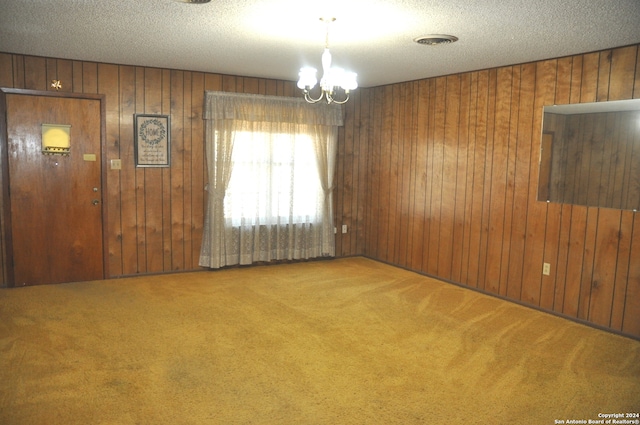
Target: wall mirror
[{"x": 590, "y": 154}]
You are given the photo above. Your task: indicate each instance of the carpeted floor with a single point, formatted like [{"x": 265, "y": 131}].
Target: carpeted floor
[{"x": 347, "y": 341}]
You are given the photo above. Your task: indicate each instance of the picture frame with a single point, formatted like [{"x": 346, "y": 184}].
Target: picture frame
[{"x": 152, "y": 140}]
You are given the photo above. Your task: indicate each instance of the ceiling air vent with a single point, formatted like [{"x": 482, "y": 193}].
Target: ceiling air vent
[
  {"x": 435, "y": 39},
  {"x": 194, "y": 1}
]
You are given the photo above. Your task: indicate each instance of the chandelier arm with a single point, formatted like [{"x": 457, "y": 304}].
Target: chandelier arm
[
  {"x": 308, "y": 98},
  {"x": 339, "y": 102}
]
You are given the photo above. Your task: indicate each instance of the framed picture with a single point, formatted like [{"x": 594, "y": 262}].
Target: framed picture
[{"x": 152, "y": 140}]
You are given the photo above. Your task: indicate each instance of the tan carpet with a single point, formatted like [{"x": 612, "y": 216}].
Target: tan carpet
[{"x": 348, "y": 341}]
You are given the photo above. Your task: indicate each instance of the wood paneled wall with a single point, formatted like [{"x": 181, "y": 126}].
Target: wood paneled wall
[
  {"x": 437, "y": 175},
  {"x": 450, "y": 170},
  {"x": 155, "y": 215}
]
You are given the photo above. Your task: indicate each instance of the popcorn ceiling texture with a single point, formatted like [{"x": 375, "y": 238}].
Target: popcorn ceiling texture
[{"x": 273, "y": 39}]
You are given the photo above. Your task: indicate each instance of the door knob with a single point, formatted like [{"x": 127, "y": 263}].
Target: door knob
[{"x": 95, "y": 202}]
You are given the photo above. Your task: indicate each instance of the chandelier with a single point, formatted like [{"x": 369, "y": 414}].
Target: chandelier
[{"x": 333, "y": 81}]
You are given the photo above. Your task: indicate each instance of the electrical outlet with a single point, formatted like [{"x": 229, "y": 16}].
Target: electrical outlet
[
  {"x": 116, "y": 164},
  {"x": 344, "y": 228},
  {"x": 546, "y": 269}
]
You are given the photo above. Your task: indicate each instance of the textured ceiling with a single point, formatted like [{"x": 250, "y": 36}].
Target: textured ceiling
[{"x": 274, "y": 38}]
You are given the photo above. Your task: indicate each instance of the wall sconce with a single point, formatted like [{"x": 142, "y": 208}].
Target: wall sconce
[{"x": 56, "y": 139}]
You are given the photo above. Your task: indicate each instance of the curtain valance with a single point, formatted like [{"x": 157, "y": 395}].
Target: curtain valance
[{"x": 261, "y": 108}]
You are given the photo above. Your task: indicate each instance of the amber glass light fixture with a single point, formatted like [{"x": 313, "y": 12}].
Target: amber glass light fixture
[{"x": 56, "y": 139}]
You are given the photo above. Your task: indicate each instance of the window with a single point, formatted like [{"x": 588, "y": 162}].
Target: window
[
  {"x": 270, "y": 165},
  {"x": 274, "y": 180}
]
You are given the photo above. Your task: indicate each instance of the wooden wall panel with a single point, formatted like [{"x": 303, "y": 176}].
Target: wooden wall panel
[
  {"x": 128, "y": 201},
  {"x": 497, "y": 181},
  {"x": 6, "y": 70},
  {"x": 449, "y": 136},
  {"x": 467, "y": 176},
  {"x": 436, "y": 136},
  {"x": 477, "y": 249},
  {"x": 468, "y": 142},
  {"x": 420, "y": 98},
  {"x": 35, "y": 73},
  {"x": 437, "y": 175},
  {"x": 403, "y": 190},
  {"x": 510, "y": 178},
  {"x": 175, "y": 245},
  {"x": 108, "y": 84},
  {"x": 459, "y": 222},
  {"x": 198, "y": 167},
  {"x": 484, "y": 257},
  {"x": 425, "y": 132},
  {"x": 155, "y": 216}
]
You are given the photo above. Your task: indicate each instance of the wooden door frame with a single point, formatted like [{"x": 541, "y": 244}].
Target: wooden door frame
[{"x": 6, "y": 244}]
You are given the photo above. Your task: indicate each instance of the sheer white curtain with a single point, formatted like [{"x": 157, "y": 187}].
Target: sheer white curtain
[{"x": 271, "y": 165}]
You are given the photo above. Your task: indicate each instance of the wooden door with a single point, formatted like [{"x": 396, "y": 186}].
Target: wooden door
[{"x": 56, "y": 200}]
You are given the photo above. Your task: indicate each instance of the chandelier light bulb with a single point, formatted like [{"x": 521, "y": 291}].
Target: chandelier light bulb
[
  {"x": 350, "y": 81},
  {"x": 307, "y": 78}
]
